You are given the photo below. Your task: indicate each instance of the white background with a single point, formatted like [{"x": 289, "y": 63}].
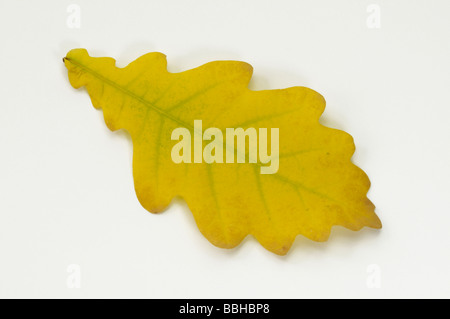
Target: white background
[{"x": 66, "y": 188}]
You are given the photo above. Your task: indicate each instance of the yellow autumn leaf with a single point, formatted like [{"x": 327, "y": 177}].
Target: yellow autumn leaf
[{"x": 302, "y": 181}]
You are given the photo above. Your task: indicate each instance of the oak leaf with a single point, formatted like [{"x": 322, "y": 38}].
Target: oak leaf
[{"x": 316, "y": 186}]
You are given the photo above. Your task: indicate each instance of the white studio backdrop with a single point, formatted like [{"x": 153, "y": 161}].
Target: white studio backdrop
[{"x": 71, "y": 225}]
